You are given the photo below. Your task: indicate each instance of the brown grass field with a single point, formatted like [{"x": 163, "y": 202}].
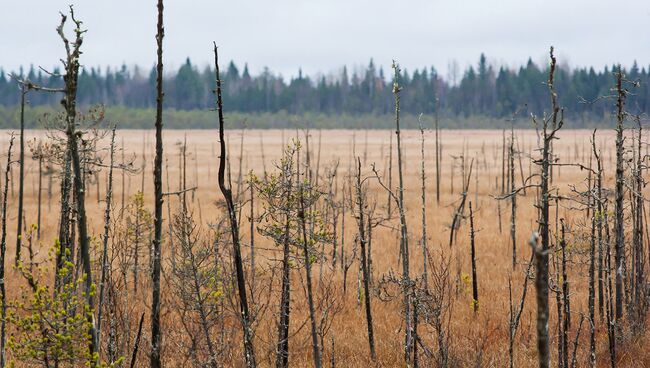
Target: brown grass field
[{"x": 475, "y": 339}]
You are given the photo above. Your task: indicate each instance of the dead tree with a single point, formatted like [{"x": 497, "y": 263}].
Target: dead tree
[
  {"x": 249, "y": 352},
  {"x": 71, "y": 66},
  {"x": 473, "y": 255},
  {"x": 252, "y": 230},
  {"x": 438, "y": 152},
  {"x": 3, "y": 248},
  {"x": 621, "y": 94},
  {"x": 156, "y": 330},
  {"x": 596, "y": 224},
  {"x": 423, "y": 241},
  {"x": 107, "y": 219},
  {"x": 363, "y": 240},
  {"x": 408, "y": 343},
  {"x": 541, "y": 253},
  {"x": 24, "y": 89},
  {"x": 640, "y": 290},
  {"x": 566, "y": 311},
  {"x": 513, "y": 198}
]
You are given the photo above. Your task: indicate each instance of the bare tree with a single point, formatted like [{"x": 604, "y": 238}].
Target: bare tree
[
  {"x": 541, "y": 253},
  {"x": 363, "y": 240},
  {"x": 408, "y": 343},
  {"x": 249, "y": 351},
  {"x": 473, "y": 256},
  {"x": 71, "y": 65},
  {"x": 619, "y": 257},
  {"x": 423, "y": 241},
  {"x": 3, "y": 248},
  {"x": 156, "y": 330},
  {"x": 107, "y": 220}
]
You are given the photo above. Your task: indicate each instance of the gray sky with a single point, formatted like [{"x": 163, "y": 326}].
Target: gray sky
[{"x": 323, "y": 35}]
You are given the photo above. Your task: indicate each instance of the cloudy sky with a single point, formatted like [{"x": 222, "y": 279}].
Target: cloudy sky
[{"x": 323, "y": 35}]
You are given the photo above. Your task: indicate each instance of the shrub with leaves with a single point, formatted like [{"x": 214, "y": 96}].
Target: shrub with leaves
[{"x": 51, "y": 327}]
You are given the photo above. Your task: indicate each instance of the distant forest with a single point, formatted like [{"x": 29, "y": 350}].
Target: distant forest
[{"x": 481, "y": 91}]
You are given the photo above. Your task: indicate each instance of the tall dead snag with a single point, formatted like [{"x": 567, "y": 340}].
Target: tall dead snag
[
  {"x": 640, "y": 291},
  {"x": 541, "y": 254},
  {"x": 438, "y": 151},
  {"x": 513, "y": 198},
  {"x": 596, "y": 223},
  {"x": 3, "y": 248},
  {"x": 363, "y": 240},
  {"x": 65, "y": 242},
  {"x": 24, "y": 89},
  {"x": 71, "y": 66},
  {"x": 107, "y": 223},
  {"x": 249, "y": 352},
  {"x": 566, "y": 311},
  {"x": 252, "y": 230},
  {"x": 390, "y": 175},
  {"x": 609, "y": 291},
  {"x": 619, "y": 231},
  {"x": 156, "y": 336},
  {"x": 473, "y": 254},
  {"x": 423, "y": 241},
  {"x": 408, "y": 344}
]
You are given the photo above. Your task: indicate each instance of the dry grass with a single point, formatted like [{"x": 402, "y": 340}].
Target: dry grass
[{"x": 488, "y": 328}]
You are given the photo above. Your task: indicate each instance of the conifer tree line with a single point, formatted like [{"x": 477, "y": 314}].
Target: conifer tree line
[{"x": 482, "y": 90}]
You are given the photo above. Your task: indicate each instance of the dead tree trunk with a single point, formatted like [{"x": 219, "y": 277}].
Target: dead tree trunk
[
  {"x": 473, "y": 254},
  {"x": 640, "y": 301},
  {"x": 107, "y": 222},
  {"x": 21, "y": 174},
  {"x": 40, "y": 191},
  {"x": 619, "y": 229},
  {"x": 541, "y": 254},
  {"x": 406, "y": 281},
  {"x": 234, "y": 228},
  {"x": 390, "y": 175},
  {"x": 70, "y": 104},
  {"x": 364, "y": 260},
  {"x": 513, "y": 198},
  {"x": 3, "y": 248},
  {"x": 156, "y": 330},
  {"x": 594, "y": 202},
  {"x": 566, "y": 312},
  {"x": 437, "y": 155},
  {"x": 252, "y": 233},
  {"x": 423, "y": 241}
]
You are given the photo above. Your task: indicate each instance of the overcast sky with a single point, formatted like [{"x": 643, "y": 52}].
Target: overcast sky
[{"x": 322, "y": 35}]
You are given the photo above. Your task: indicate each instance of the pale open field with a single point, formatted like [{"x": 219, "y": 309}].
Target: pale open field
[{"x": 480, "y": 337}]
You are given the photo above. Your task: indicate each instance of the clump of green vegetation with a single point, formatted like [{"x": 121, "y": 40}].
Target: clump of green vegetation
[{"x": 51, "y": 326}]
